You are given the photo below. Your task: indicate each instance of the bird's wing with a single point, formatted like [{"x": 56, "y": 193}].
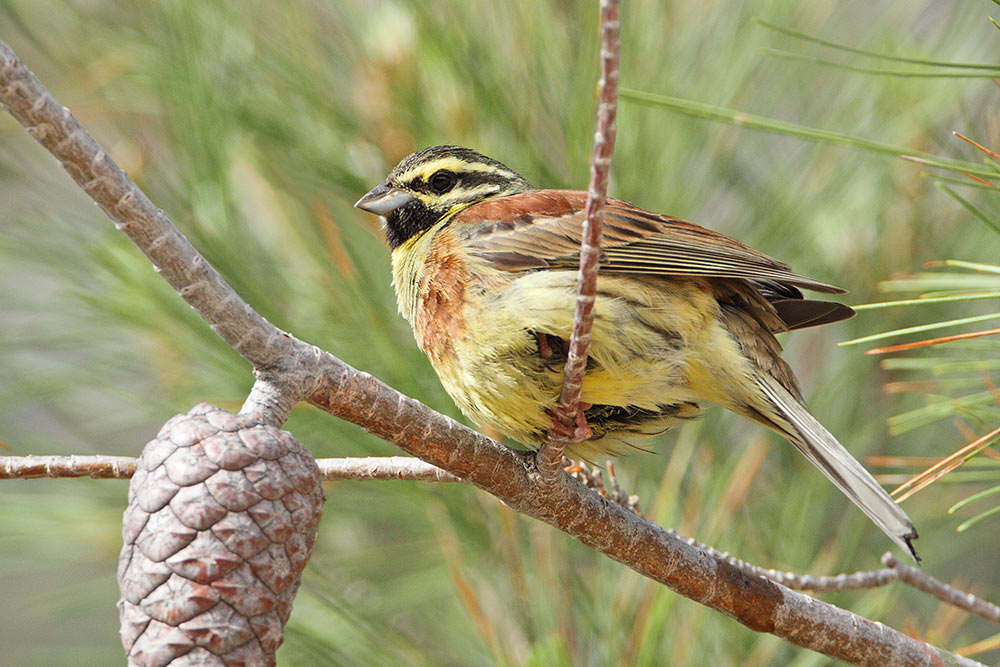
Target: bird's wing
[{"x": 542, "y": 229}]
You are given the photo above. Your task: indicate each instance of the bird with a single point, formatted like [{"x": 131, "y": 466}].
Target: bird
[{"x": 484, "y": 267}]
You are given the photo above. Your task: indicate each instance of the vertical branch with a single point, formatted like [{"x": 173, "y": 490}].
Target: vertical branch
[{"x": 550, "y": 455}]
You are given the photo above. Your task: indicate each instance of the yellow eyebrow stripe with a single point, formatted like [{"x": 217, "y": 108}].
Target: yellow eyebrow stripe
[{"x": 424, "y": 171}]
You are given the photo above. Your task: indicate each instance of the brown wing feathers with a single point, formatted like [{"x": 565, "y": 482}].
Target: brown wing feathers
[{"x": 541, "y": 229}]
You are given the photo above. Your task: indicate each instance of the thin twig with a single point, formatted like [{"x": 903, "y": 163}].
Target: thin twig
[
  {"x": 383, "y": 468},
  {"x": 302, "y": 370},
  {"x": 895, "y": 570},
  {"x": 96, "y": 467},
  {"x": 123, "y": 467},
  {"x": 803, "y": 582},
  {"x": 550, "y": 456},
  {"x": 941, "y": 590},
  {"x": 413, "y": 469},
  {"x": 836, "y": 583}
]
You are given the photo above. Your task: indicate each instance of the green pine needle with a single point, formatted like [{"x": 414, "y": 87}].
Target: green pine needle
[
  {"x": 962, "y": 527},
  {"x": 970, "y": 207},
  {"x": 735, "y": 117},
  {"x": 947, "y": 283},
  {"x": 942, "y": 408},
  {"x": 938, "y": 366},
  {"x": 974, "y": 266},
  {"x": 989, "y": 73},
  {"x": 869, "y": 54},
  {"x": 920, "y": 328},
  {"x": 973, "y": 498},
  {"x": 923, "y": 301}
]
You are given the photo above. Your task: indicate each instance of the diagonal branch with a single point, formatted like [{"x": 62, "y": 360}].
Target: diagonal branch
[
  {"x": 289, "y": 370},
  {"x": 550, "y": 456},
  {"x": 188, "y": 272}
]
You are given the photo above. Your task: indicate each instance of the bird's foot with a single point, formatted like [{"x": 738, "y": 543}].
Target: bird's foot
[{"x": 571, "y": 435}]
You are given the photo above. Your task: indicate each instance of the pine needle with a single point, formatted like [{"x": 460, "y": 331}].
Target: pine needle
[
  {"x": 930, "y": 74},
  {"x": 970, "y": 207},
  {"x": 922, "y": 301},
  {"x": 735, "y": 117},
  {"x": 973, "y": 498},
  {"x": 932, "y": 341},
  {"x": 920, "y": 328},
  {"x": 943, "y": 467},
  {"x": 863, "y": 52}
]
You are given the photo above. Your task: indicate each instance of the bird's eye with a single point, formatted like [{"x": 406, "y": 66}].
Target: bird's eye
[{"x": 442, "y": 181}]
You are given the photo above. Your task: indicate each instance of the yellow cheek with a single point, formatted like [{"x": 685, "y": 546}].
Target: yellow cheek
[{"x": 408, "y": 262}]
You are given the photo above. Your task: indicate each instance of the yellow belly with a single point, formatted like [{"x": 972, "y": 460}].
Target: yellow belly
[
  {"x": 657, "y": 345},
  {"x": 646, "y": 347}
]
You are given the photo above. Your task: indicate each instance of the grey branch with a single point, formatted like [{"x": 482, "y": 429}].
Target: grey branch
[
  {"x": 808, "y": 582},
  {"x": 96, "y": 467},
  {"x": 294, "y": 370},
  {"x": 941, "y": 590},
  {"x": 123, "y": 467},
  {"x": 383, "y": 467}
]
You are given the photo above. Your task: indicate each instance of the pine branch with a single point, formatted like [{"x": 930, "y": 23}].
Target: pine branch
[{"x": 289, "y": 370}]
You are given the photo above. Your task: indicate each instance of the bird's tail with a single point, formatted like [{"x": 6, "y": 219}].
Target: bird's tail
[{"x": 820, "y": 447}]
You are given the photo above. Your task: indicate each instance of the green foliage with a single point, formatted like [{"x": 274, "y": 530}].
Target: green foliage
[
  {"x": 256, "y": 126},
  {"x": 956, "y": 382},
  {"x": 978, "y": 282}
]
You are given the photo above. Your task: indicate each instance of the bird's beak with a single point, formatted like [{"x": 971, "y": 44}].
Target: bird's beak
[{"x": 383, "y": 199}]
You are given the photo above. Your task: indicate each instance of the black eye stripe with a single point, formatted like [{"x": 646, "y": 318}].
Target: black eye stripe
[
  {"x": 472, "y": 179},
  {"x": 467, "y": 180}
]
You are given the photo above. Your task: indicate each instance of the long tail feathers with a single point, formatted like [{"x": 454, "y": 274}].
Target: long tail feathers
[{"x": 820, "y": 447}]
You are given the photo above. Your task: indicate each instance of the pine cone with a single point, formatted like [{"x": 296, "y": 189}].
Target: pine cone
[{"x": 221, "y": 520}]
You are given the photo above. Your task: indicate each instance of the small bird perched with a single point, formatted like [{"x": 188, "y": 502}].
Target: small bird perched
[{"x": 484, "y": 267}]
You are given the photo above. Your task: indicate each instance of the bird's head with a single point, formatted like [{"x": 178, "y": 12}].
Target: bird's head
[{"x": 435, "y": 182}]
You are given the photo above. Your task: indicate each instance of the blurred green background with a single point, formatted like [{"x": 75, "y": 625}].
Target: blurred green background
[{"x": 255, "y": 126}]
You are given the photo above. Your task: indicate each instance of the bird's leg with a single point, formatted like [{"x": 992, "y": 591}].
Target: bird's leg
[
  {"x": 543, "y": 346},
  {"x": 579, "y": 432}
]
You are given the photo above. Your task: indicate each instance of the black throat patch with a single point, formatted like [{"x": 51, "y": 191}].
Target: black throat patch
[{"x": 407, "y": 221}]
